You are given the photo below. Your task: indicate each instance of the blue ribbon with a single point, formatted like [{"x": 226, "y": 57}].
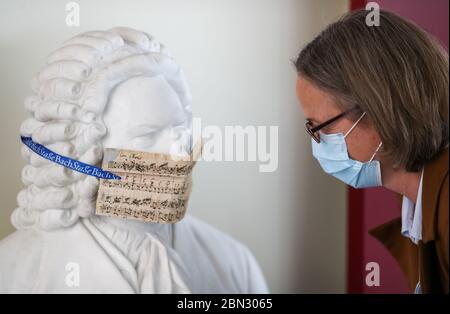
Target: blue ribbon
[{"x": 67, "y": 162}]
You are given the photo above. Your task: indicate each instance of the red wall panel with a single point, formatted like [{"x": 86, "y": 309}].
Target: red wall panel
[{"x": 370, "y": 207}]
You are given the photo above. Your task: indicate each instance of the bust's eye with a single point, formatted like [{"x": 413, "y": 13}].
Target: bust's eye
[
  {"x": 144, "y": 135},
  {"x": 146, "y": 140}
]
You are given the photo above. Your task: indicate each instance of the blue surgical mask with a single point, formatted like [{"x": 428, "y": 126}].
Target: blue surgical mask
[{"x": 332, "y": 155}]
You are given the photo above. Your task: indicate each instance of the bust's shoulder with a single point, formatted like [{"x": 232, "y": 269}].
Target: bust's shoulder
[
  {"x": 38, "y": 261},
  {"x": 20, "y": 242},
  {"x": 20, "y": 254}
]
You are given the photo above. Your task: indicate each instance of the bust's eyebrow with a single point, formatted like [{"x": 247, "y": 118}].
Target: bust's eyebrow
[{"x": 143, "y": 129}]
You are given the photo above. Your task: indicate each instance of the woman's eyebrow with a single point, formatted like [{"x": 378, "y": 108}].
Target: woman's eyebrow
[{"x": 313, "y": 120}]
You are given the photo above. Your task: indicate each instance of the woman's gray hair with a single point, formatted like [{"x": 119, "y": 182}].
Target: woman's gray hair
[{"x": 395, "y": 72}]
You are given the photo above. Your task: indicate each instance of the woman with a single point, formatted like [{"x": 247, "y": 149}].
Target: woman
[{"x": 376, "y": 102}]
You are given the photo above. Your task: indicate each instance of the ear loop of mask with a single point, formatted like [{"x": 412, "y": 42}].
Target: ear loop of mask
[
  {"x": 378, "y": 148},
  {"x": 354, "y": 125},
  {"x": 351, "y": 129}
]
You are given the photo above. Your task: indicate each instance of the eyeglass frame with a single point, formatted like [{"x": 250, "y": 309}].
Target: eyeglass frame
[{"x": 313, "y": 131}]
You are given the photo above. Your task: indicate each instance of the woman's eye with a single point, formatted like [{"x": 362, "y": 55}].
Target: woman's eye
[{"x": 327, "y": 129}]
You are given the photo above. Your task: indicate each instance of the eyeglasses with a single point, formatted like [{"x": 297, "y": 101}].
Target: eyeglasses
[{"x": 313, "y": 131}]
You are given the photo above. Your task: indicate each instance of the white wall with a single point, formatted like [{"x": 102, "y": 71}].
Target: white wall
[{"x": 237, "y": 57}]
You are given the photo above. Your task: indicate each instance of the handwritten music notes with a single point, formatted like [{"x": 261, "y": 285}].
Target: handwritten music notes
[{"x": 154, "y": 187}]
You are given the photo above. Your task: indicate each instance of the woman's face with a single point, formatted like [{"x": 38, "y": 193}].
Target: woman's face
[{"x": 319, "y": 106}]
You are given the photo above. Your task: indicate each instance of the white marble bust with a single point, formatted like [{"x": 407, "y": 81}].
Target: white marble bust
[{"x": 121, "y": 89}]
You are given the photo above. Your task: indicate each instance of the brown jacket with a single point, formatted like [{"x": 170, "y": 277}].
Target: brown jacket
[{"x": 428, "y": 259}]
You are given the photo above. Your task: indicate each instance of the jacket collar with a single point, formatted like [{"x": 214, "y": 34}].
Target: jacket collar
[
  {"x": 435, "y": 173},
  {"x": 434, "y": 176}
]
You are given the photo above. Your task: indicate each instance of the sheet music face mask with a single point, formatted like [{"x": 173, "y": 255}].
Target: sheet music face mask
[
  {"x": 153, "y": 187},
  {"x": 146, "y": 114}
]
